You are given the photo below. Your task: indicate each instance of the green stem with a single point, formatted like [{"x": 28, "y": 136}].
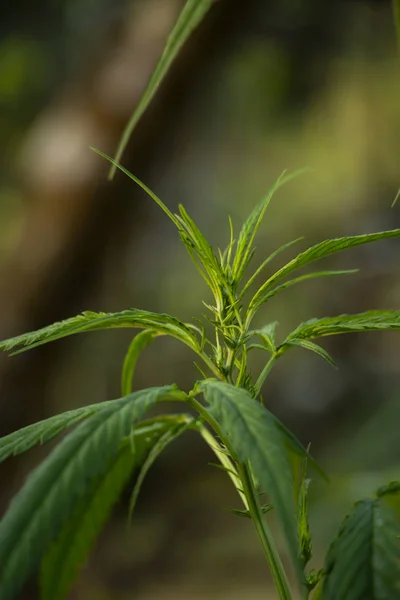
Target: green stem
[
  {"x": 267, "y": 542},
  {"x": 250, "y": 501},
  {"x": 264, "y": 373}
]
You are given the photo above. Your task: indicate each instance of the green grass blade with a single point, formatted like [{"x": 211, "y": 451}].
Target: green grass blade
[
  {"x": 321, "y": 250},
  {"x": 263, "y": 298},
  {"x": 90, "y": 321},
  {"x": 38, "y": 433},
  {"x": 49, "y": 497},
  {"x": 250, "y": 227},
  {"x": 178, "y": 425},
  {"x": 363, "y": 561},
  {"x": 138, "y": 344},
  {"x": 191, "y": 16},
  {"x": 68, "y": 552},
  {"x": 373, "y": 320},
  {"x": 251, "y": 433}
]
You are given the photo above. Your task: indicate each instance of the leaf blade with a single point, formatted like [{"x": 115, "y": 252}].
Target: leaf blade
[
  {"x": 46, "y": 501},
  {"x": 138, "y": 344},
  {"x": 60, "y": 566},
  {"x": 191, "y": 16}
]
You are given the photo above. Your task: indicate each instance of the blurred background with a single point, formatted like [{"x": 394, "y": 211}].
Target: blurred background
[{"x": 262, "y": 86}]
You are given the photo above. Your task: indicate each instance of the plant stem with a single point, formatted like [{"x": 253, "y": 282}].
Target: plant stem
[
  {"x": 265, "y": 536},
  {"x": 264, "y": 373},
  {"x": 249, "y": 497}
]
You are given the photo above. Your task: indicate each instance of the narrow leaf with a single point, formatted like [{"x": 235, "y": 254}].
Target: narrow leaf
[
  {"x": 38, "y": 433},
  {"x": 40, "y": 510},
  {"x": 373, "y": 320},
  {"x": 252, "y": 435},
  {"x": 313, "y": 348},
  {"x": 191, "y": 16},
  {"x": 138, "y": 344},
  {"x": 251, "y": 225},
  {"x": 180, "y": 424},
  {"x": 68, "y": 552},
  {"x": 90, "y": 321},
  {"x": 263, "y": 298},
  {"x": 325, "y": 248}
]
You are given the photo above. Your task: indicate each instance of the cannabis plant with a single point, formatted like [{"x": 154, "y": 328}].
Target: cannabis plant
[{"x": 53, "y": 521}]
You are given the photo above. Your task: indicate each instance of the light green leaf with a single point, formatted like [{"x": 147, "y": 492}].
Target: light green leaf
[
  {"x": 68, "y": 552},
  {"x": 372, "y": 320},
  {"x": 138, "y": 344},
  {"x": 312, "y": 347},
  {"x": 265, "y": 263},
  {"x": 267, "y": 334},
  {"x": 251, "y": 434},
  {"x": 245, "y": 249},
  {"x": 263, "y": 298},
  {"x": 47, "y": 500},
  {"x": 180, "y": 424},
  {"x": 90, "y": 321},
  {"x": 191, "y": 16},
  {"x": 325, "y": 248},
  {"x": 363, "y": 561},
  {"x": 38, "y": 433}
]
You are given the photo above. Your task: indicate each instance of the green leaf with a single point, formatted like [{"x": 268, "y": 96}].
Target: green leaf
[
  {"x": 244, "y": 249},
  {"x": 267, "y": 334},
  {"x": 325, "y": 248},
  {"x": 68, "y": 552},
  {"x": 263, "y": 298},
  {"x": 252, "y": 436},
  {"x": 363, "y": 561},
  {"x": 138, "y": 344},
  {"x": 180, "y": 424},
  {"x": 266, "y": 261},
  {"x": 38, "y": 433},
  {"x": 313, "y": 348},
  {"x": 90, "y": 321},
  {"x": 191, "y": 16},
  {"x": 304, "y": 534},
  {"x": 372, "y": 320},
  {"x": 48, "y": 498}
]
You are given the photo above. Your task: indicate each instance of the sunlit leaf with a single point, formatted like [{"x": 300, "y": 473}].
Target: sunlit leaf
[{"x": 191, "y": 16}]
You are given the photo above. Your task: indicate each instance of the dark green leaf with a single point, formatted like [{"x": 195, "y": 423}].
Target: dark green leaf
[
  {"x": 69, "y": 551},
  {"x": 47, "y": 500},
  {"x": 363, "y": 561},
  {"x": 252, "y": 435},
  {"x": 43, "y": 431},
  {"x": 191, "y": 16},
  {"x": 138, "y": 344},
  {"x": 180, "y": 424}
]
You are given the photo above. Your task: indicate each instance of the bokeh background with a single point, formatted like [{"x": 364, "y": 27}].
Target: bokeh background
[{"x": 262, "y": 86}]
